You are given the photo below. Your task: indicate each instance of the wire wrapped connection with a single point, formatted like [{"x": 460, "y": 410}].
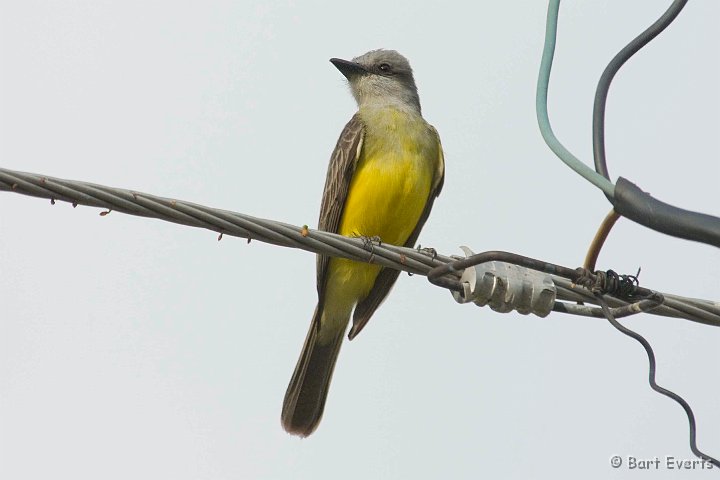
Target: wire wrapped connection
[{"x": 505, "y": 287}]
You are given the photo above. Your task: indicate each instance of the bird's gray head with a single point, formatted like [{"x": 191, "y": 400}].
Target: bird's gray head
[{"x": 380, "y": 78}]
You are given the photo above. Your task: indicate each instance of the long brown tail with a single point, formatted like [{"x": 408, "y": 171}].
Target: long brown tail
[{"x": 305, "y": 397}]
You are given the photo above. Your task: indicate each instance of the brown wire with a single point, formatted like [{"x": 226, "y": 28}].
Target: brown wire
[{"x": 599, "y": 240}]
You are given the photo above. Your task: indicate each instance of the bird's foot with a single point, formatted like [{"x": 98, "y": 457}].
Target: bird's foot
[
  {"x": 429, "y": 251},
  {"x": 369, "y": 245}
]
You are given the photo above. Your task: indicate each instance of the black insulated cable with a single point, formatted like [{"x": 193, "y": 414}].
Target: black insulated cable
[
  {"x": 629, "y": 200},
  {"x": 633, "y": 203},
  {"x": 608, "y": 74}
]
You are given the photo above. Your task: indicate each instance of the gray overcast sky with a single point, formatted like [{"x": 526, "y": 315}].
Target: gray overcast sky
[{"x": 134, "y": 348}]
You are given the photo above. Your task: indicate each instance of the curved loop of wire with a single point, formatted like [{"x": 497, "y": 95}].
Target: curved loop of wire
[{"x": 651, "y": 379}]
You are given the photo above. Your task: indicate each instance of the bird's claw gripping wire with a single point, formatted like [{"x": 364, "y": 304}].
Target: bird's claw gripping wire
[
  {"x": 369, "y": 245},
  {"x": 429, "y": 251}
]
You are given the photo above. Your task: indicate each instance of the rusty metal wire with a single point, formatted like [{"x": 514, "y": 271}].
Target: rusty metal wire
[{"x": 252, "y": 228}]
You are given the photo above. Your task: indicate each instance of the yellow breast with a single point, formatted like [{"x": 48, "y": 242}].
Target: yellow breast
[
  {"x": 387, "y": 194},
  {"x": 393, "y": 177}
]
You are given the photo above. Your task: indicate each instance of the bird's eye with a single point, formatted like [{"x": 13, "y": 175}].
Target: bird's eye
[{"x": 384, "y": 67}]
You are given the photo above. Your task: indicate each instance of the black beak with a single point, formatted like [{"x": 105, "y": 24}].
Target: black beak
[{"x": 349, "y": 69}]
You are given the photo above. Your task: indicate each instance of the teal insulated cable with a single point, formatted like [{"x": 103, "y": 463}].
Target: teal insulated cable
[{"x": 542, "y": 112}]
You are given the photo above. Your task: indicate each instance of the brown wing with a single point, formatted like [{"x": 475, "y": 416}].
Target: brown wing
[
  {"x": 387, "y": 276},
  {"x": 337, "y": 183}
]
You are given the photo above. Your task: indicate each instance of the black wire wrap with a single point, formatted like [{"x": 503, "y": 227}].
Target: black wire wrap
[{"x": 633, "y": 203}]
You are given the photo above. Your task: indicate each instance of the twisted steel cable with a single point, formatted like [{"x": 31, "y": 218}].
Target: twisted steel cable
[
  {"x": 277, "y": 233},
  {"x": 221, "y": 221}
]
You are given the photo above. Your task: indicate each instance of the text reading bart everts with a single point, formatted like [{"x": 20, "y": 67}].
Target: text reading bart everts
[{"x": 668, "y": 462}]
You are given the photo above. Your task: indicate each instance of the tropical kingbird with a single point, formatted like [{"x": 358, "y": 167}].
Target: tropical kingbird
[{"x": 383, "y": 177}]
